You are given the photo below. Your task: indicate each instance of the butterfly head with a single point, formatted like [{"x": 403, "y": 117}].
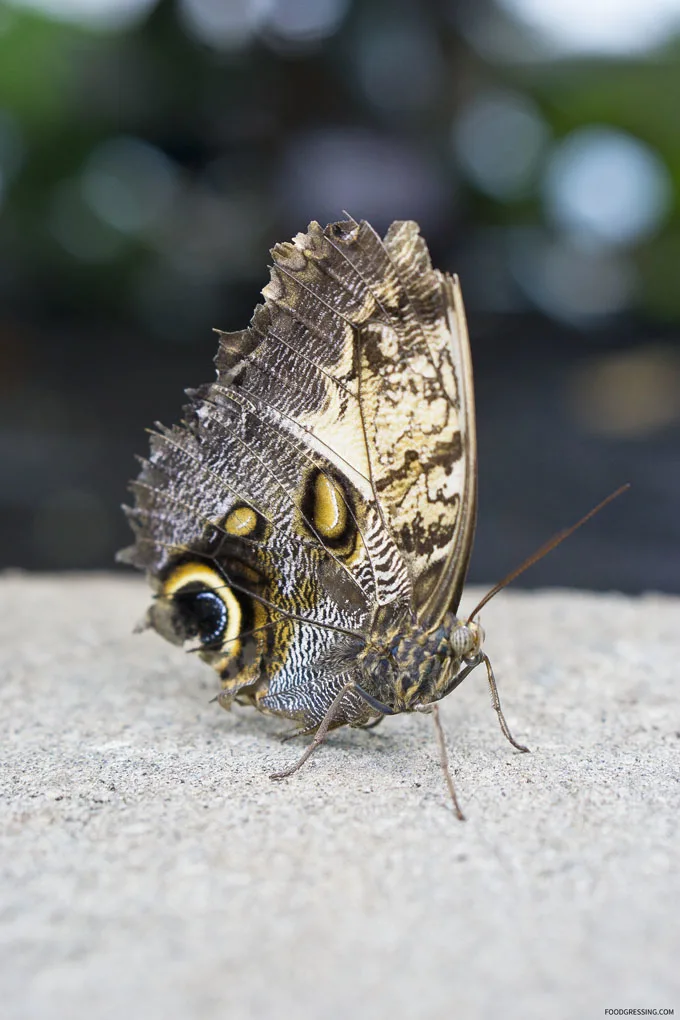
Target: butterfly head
[{"x": 412, "y": 667}]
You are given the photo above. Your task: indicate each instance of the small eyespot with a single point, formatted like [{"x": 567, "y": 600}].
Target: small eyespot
[{"x": 241, "y": 521}]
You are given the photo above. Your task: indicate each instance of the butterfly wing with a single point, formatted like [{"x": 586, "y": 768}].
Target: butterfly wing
[
  {"x": 417, "y": 406},
  {"x": 393, "y": 402},
  {"x": 326, "y": 473}
]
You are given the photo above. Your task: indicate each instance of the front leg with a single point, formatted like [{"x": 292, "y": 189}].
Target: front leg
[{"x": 495, "y": 698}]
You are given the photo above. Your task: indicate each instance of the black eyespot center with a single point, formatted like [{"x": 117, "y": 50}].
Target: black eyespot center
[{"x": 202, "y": 614}]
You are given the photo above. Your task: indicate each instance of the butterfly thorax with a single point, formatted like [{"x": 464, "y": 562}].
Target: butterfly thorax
[{"x": 411, "y": 667}]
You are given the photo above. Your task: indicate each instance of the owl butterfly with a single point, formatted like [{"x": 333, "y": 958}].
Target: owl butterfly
[{"x": 307, "y": 528}]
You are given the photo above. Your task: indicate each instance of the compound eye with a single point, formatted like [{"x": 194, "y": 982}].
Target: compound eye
[
  {"x": 462, "y": 641},
  {"x": 203, "y": 614}
]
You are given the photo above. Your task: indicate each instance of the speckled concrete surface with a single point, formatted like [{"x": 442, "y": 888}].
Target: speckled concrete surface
[{"x": 150, "y": 869}]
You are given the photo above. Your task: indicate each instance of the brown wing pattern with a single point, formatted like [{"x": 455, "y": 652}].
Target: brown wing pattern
[
  {"x": 355, "y": 369},
  {"x": 392, "y": 401}
]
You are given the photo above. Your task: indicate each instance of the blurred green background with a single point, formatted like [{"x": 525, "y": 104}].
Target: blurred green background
[{"x": 151, "y": 151}]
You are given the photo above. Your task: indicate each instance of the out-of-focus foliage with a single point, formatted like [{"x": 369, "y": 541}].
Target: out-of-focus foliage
[{"x": 151, "y": 152}]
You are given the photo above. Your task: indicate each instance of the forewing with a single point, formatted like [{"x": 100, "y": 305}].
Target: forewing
[
  {"x": 390, "y": 396},
  {"x": 418, "y": 408}
]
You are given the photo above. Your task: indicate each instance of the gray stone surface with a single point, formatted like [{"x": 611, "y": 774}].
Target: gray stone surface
[{"x": 151, "y": 869}]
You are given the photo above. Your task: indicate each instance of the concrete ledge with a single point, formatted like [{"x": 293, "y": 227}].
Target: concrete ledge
[{"x": 150, "y": 869}]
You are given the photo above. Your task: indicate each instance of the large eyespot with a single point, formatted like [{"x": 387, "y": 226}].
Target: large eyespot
[
  {"x": 326, "y": 507},
  {"x": 201, "y": 605}
]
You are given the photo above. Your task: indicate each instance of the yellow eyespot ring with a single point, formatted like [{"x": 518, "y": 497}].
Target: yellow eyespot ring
[{"x": 201, "y": 573}]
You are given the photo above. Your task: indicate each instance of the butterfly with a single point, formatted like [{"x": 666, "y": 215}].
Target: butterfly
[{"x": 308, "y": 526}]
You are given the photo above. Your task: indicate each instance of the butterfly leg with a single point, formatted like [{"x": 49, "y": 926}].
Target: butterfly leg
[
  {"x": 302, "y": 731},
  {"x": 496, "y": 702},
  {"x": 320, "y": 734},
  {"x": 444, "y": 760}
]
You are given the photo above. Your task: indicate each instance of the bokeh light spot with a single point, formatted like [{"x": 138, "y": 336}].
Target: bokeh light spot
[
  {"x": 129, "y": 184},
  {"x": 382, "y": 55},
  {"x": 78, "y": 230},
  {"x": 225, "y": 24},
  {"x": 569, "y": 282},
  {"x": 98, "y": 14},
  {"x": 498, "y": 141},
  {"x": 606, "y": 185},
  {"x": 628, "y": 393},
  {"x": 306, "y": 21},
  {"x": 599, "y": 26},
  {"x": 370, "y": 175}
]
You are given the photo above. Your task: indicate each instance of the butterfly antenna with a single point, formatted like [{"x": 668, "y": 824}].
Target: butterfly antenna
[{"x": 545, "y": 549}]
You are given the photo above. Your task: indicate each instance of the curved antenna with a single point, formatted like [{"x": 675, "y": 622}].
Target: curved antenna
[{"x": 544, "y": 550}]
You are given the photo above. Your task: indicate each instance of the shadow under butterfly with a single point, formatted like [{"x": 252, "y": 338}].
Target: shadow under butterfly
[{"x": 308, "y": 526}]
